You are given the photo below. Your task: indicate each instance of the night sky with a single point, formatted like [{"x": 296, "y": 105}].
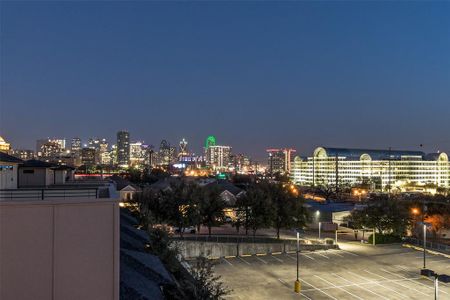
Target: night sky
[{"x": 255, "y": 74}]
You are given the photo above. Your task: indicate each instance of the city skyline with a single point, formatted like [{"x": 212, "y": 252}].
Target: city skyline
[{"x": 288, "y": 74}]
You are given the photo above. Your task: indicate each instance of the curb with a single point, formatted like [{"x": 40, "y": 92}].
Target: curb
[{"x": 427, "y": 250}]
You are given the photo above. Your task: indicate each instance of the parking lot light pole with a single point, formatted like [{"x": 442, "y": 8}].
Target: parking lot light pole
[
  {"x": 320, "y": 226},
  {"x": 297, "y": 285},
  {"x": 424, "y": 244},
  {"x": 436, "y": 286}
]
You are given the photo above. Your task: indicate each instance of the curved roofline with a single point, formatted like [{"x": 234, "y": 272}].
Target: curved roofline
[{"x": 375, "y": 154}]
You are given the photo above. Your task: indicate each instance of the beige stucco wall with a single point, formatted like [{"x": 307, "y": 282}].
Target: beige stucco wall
[{"x": 59, "y": 249}]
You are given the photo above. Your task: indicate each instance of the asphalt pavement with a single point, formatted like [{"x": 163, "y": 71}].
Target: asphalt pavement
[{"x": 354, "y": 272}]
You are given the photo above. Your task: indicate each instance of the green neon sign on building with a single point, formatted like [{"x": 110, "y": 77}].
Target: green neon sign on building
[{"x": 210, "y": 141}]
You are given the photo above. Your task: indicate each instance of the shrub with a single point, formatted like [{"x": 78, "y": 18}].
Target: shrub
[{"x": 385, "y": 238}]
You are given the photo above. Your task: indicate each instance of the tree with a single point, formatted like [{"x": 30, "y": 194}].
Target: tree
[
  {"x": 151, "y": 207},
  {"x": 258, "y": 208},
  {"x": 437, "y": 221},
  {"x": 180, "y": 206},
  {"x": 384, "y": 214},
  {"x": 287, "y": 206},
  {"x": 207, "y": 285},
  {"x": 211, "y": 207}
]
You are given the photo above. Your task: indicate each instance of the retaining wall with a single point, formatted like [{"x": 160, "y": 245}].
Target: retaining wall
[{"x": 192, "y": 249}]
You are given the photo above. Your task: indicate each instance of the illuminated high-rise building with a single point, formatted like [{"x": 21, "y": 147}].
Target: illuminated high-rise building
[
  {"x": 4, "y": 146},
  {"x": 23, "y": 154},
  {"x": 75, "y": 145},
  {"x": 88, "y": 156},
  {"x": 123, "y": 148},
  {"x": 218, "y": 157},
  {"x": 183, "y": 148},
  {"x": 167, "y": 153},
  {"x": 139, "y": 154},
  {"x": 279, "y": 160}
]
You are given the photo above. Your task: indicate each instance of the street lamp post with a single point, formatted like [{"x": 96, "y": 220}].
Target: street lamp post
[
  {"x": 297, "y": 285},
  {"x": 320, "y": 225},
  {"x": 424, "y": 244},
  {"x": 436, "y": 286}
]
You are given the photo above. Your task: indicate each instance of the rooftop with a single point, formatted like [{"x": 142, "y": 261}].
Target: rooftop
[{"x": 375, "y": 154}]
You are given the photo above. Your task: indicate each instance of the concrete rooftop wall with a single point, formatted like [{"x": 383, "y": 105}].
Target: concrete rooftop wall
[{"x": 59, "y": 249}]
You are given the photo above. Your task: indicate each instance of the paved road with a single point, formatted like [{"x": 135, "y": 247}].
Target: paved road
[{"x": 354, "y": 272}]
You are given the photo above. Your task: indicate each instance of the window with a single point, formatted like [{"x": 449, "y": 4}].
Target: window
[{"x": 28, "y": 171}]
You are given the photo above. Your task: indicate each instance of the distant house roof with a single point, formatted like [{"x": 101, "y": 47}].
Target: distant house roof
[
  {"x": 130, "y": 188},
  {"x": 34, "y": 163},
  {"x": 374, "y": 154},
  {"x": 9, "y": 158},
  {"x": 225, "y": 185},
  {"x": 165, "y": 183},
  {"x": 122, "y": 183}
]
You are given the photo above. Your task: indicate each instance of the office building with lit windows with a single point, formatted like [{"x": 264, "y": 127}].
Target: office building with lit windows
[
  {"x": 123, "y": 148},
  {"x": 381, "y": 170},
  {"x": 218, "y": 157},
  {"x": 279, "y": 160}
]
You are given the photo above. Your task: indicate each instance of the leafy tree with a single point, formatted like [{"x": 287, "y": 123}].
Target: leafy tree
[
  {"x": 259, "y": 212},
  {"x": 384, "y": 214},
  {"x": 287, "y": 207},
  {"x": 207, "y": 285},
  {"x": 151, "y": 207},
  {"x": 182, "y": 205},
  {"x": 438, "y": 221},
  {"x": 211, "y": 207}
]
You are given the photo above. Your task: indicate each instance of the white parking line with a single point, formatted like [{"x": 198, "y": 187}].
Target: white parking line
[
  {"x": 227, "y": 261},
  {"x": 258, "y": 258},
  {"x": 405, "y": 286},
  {"x": 293, "y": 258},
  {"x": 375, "y": 282},
  {"x": 305, "y": 296},
  {"x": 400, "y": 276},
  {"x": 315, "y": 288},
  {"x": 334, "y": 253},
  {"x": 244, "y": 260},
  {"x": 277, "y": 259},
  {"x": 410, "y": 272},
  {"x": 307, "y": 256},
  {"x": 351, "y": 253},
  {"x": 372, "y": 292},
  {"x": 323, "y": 255},
  {"x": 330, "y": 283}
]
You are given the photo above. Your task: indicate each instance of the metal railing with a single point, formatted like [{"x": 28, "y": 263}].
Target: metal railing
[
  {"x": 42, "y": 194},
  {"x": 430, "y": 244}
]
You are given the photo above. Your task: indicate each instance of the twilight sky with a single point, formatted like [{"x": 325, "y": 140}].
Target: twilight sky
[{"x": 255, "y": 74}]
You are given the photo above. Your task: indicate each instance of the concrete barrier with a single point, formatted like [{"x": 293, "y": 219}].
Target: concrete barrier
[{"x": 193, "y": 249}]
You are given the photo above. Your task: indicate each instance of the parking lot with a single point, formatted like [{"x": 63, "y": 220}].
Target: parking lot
[{"x": 354, "y": 272}]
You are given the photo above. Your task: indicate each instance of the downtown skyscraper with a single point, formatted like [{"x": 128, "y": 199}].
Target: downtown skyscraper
[{"x": 123, "y": 148}]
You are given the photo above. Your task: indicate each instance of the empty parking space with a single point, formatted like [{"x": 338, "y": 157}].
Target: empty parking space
[{"x": 356, "y": 273}]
